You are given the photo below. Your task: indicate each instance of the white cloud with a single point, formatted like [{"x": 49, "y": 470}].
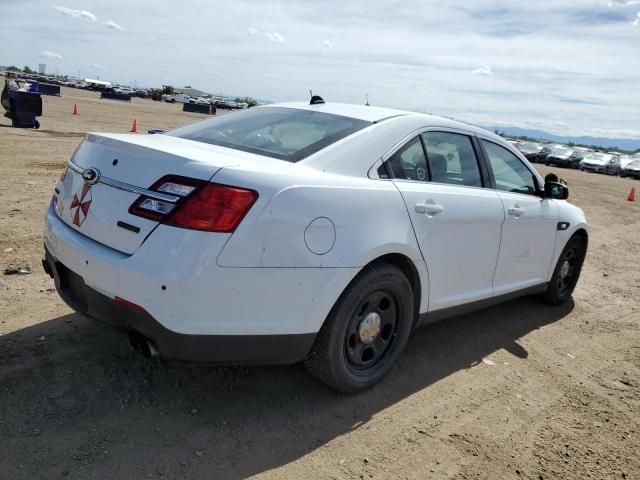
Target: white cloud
[
  {"x": 253, "y": 31},
  {"x": 484, "y": 71},
  {"x": 113, "y": 25},
  {"x": 275, "y": 37},
  {"x": 217, "y": 74},
  {"x": 52, "y": 55},
  {"x": 97, "y": 66},
  {"x": 269, "y": 75},
  {"x": 622, "y": 3},
  {"x": 636, "y": 22},
  {"x": 328, "y": 44},
  {"x": 70, "y": 12}
]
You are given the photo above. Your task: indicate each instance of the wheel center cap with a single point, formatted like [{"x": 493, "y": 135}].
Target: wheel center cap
[
  {"x": 564, "y": 270},
  {"x": 369, "y": 327}
]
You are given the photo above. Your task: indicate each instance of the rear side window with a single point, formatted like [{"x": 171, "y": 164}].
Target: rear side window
[
  {"x": 510, "y": 173},
  {"x": 452, "y": 159},
  {"x": 289, "y": 134},
  {"x": 410, "y": 163}
]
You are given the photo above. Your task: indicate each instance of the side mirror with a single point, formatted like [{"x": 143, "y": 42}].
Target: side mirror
[
  {"x": 556, "y": 190},
  {"x": 551, "y": 177}
]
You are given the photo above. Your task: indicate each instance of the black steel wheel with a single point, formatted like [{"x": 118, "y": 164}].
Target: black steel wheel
[
  {"x": 366, "y": 330},
  {"x": 372, "y": 330},
  {"x": 567, "y": 271}
]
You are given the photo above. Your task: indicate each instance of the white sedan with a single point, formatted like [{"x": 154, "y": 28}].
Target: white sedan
[{"x": 320, "y": 232}]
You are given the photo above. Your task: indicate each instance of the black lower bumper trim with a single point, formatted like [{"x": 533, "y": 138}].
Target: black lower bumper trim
[{"x": 215, "y": 349}]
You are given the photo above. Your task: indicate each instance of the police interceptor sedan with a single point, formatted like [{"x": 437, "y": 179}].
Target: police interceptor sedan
[{"x": 321, "y": 232}]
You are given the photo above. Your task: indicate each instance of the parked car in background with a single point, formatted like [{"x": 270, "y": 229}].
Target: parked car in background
[
  {"x": 532, "y": 151},
  {"x": 564, "y": 157},
  {"x": 123, "y": 90},
  {"x": 631, "y": 169},
  {"x": 544, "y": 151},
  {"x": 601, "y": 163}
]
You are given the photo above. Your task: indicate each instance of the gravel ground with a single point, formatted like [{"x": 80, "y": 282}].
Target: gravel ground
[{"x": 521, "y": 390}]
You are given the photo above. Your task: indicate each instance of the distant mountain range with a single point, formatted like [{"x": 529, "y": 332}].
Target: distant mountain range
[{"x": 623, "y": 143}]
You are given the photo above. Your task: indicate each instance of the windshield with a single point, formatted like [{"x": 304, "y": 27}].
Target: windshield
[
  {"x": 289, "y": 134},
  {"x": 598, "y": 157}
]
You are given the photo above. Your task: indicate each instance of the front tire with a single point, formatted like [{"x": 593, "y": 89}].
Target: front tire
[
  {"x": 567, "y": 272},
  {"x": 366, "y": 331}
]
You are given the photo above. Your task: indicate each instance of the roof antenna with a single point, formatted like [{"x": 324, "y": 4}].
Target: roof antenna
[
  {"x": 315, "y": 99},
  {"x": 367, "y": 96}
]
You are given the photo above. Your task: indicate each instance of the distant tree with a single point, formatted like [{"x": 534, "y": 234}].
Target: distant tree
[
  {"x": 252, "y": 102},
  {"x": 13, "y": 68},
  {"x": 188, "y": 86},
  {"x": 26, "y": 69},
  {"x": 498, "y": 132},
  {"x": 571, "y": 144}
]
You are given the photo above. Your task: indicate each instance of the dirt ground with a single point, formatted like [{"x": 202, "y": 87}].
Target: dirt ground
[{"x": 521, "y": 390}]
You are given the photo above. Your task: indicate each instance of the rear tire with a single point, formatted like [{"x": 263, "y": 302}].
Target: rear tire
[
  {"x": 366, "y": 331},
  {"x": 567, "y": 272}
]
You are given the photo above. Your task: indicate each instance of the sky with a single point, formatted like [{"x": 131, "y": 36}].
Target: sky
[{"x": 570, "y": 67}]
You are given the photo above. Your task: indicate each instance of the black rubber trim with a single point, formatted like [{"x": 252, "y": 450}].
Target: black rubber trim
[
  {"x": 128, "y": 226},
  {"x": 449, "y": 312},
  {"x": 213, "y": 349}
]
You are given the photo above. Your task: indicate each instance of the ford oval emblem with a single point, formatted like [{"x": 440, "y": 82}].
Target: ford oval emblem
[{"x": 91, "y": 176}]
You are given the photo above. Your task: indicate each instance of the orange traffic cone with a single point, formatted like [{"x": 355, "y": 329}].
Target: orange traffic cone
[
  {"x": 632, "y": 195},
  {"x": 210, "y": 110},
  {"x": 75, "y": 109},
  {"x": 134, "y": 127}
]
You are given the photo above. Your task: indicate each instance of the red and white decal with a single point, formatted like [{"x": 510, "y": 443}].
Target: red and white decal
[{"x": 80, "y": 205}]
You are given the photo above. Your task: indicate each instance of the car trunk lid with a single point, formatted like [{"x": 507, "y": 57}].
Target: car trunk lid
[{"x": 128, "y": 165}]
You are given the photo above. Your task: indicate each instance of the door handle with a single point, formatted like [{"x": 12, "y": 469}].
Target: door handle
[
  {"x": 429, "y": 208},
  {"x": 516, "y": 211}
]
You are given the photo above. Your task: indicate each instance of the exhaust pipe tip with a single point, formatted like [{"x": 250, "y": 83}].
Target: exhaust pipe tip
[
  {"x": 143, "y": 344},
  {"x": 149, "y": 350}
]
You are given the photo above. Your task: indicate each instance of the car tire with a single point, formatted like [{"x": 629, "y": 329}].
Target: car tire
[
  {"x": 348, "y": 354},
  {"x": 567, "y": 272}
]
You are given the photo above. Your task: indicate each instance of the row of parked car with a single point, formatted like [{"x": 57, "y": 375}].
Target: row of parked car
[
  {"x": 609, "y": 163},
  {"x": 206, "y": 99}
]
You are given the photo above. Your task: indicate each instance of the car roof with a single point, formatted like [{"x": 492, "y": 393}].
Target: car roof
[{"x": 371, "y": 113}]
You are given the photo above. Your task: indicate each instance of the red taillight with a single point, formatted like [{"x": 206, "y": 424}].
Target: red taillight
[
  {"x": 213, "y": 208},
  {"x": 203, "y": 206}
]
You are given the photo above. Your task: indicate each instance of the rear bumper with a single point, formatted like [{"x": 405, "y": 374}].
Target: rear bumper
[{"x": 218, "y": 349}]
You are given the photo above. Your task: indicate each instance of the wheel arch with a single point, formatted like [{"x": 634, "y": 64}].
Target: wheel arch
[
  {"x": 407, "y": 267},
  {"x": 585, "y": 236},
  {"x": 582, "y": 233}
]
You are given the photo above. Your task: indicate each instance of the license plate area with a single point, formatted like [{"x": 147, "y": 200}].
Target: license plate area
[{"x": 72, "y": 287}]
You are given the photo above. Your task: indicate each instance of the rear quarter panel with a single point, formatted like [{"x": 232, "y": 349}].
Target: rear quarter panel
[{"x": 369, "y": 218}]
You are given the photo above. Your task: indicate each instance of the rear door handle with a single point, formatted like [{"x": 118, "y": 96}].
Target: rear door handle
[
  {"x": 516, "y": 211},
  {"x": 429, "y": 208}
]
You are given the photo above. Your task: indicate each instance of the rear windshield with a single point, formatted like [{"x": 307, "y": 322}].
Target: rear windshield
[{"x": 287, "y": 134}]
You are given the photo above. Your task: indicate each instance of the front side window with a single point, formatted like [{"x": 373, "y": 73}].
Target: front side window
[
  {"x": 452, "y": 159},
  {"x": 289, "y": 134},
  {"x": 509, "y": 172}
]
